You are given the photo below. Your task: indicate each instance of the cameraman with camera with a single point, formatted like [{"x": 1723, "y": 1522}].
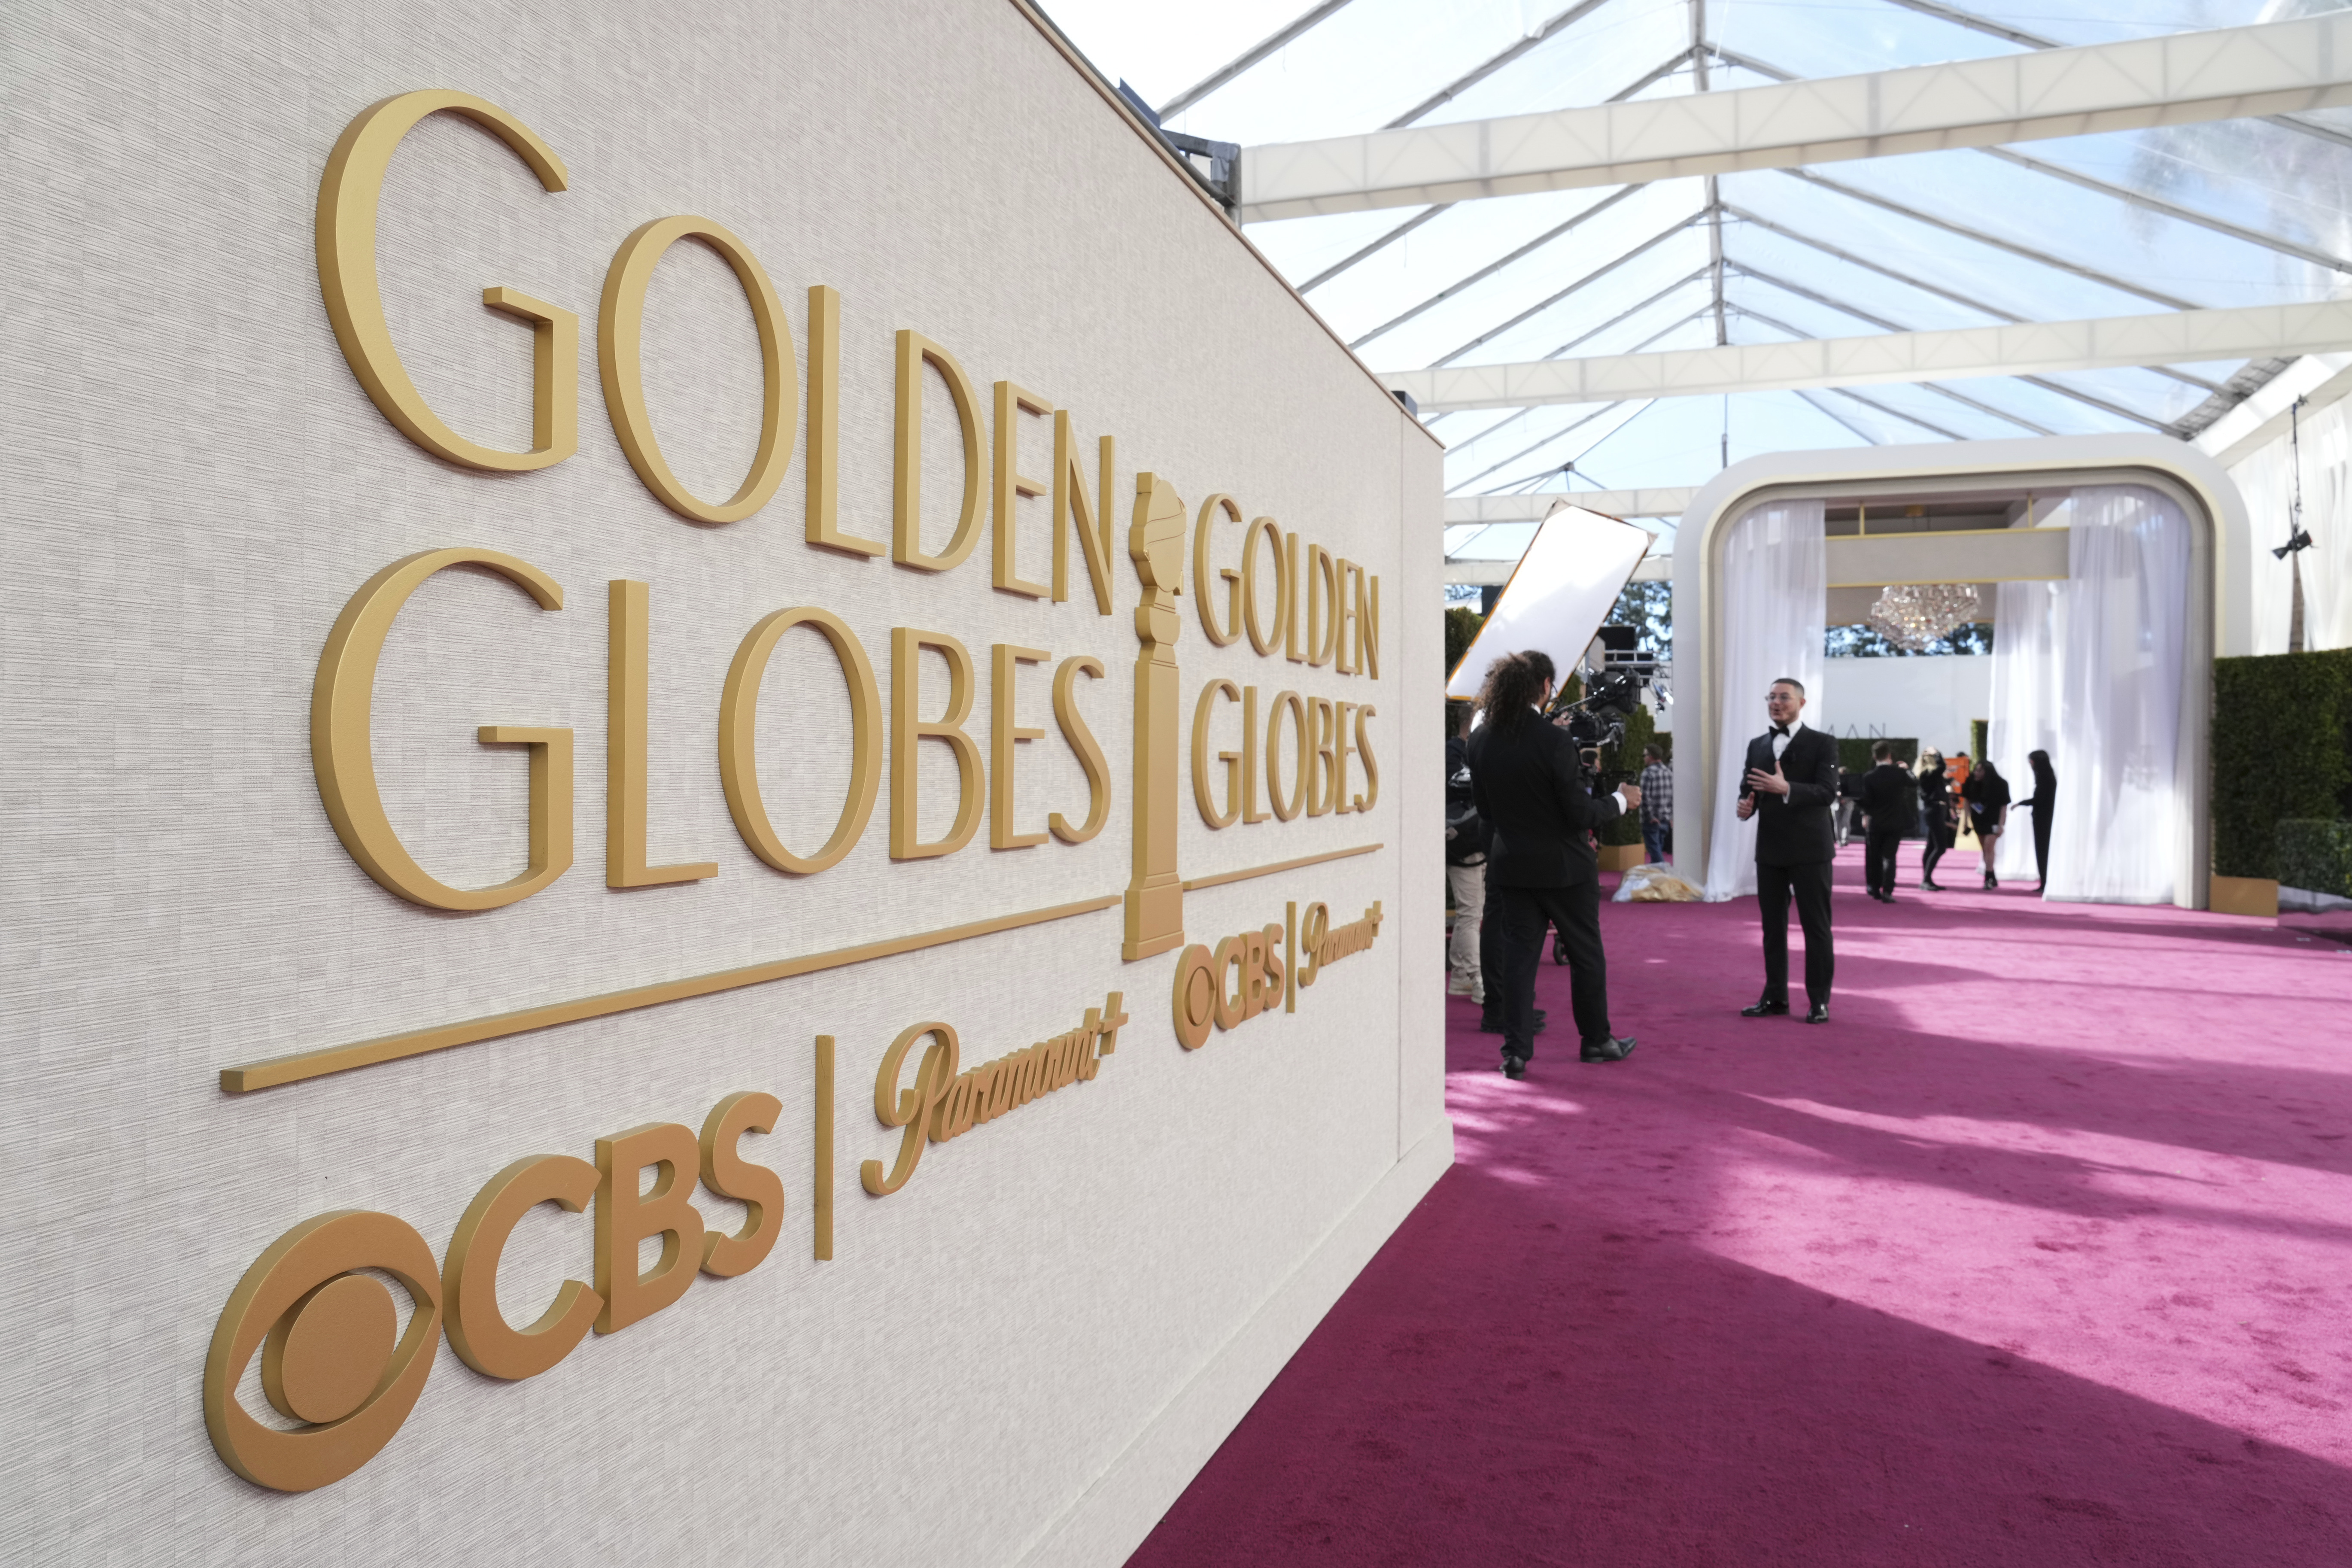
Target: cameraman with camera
[{"x": 1534, "y": 791}]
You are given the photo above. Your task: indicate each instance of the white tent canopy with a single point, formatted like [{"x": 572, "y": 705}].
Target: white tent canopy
[{"x": 2232, "y": 194}]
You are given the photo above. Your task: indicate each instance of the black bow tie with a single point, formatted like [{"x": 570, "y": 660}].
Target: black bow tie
[{"x": 1779, "y": 729}]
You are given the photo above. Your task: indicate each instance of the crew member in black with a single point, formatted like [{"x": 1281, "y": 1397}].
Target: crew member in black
[
  {"x": 1890, "y": 802},
  {"x": 1937, "y": 818},
  {"x": 2045, "y": 801},
  {"x": 1534, "y": 794}
]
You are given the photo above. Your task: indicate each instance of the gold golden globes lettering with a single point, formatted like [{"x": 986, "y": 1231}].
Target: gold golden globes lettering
[{"x": 334, "y": 1359}]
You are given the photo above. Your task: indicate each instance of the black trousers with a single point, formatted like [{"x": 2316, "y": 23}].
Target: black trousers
[
  {"x": 1811, "y": 886},
  {"x": 1941, "y": 836},
  {"x": 1514, "y": 936},
  {"x": 1878, "y": 854},
  {"x": 2041, "y": 843}
]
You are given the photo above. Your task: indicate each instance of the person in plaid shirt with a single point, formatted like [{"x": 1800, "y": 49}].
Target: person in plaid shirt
[{"x": 1657, "y": 804}]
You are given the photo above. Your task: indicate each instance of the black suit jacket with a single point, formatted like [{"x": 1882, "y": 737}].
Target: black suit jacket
[
  {"x": 1531, "y": 791},
  {"x": 1890, "y": 797},
  {"x": 1795, "y": 829}
]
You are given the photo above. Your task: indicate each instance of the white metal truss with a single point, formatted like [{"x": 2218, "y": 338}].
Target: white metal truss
[
  {"x": 2266, "y": 68},
  {"x": 2140, "y": 199},
  {"x": 1967, "y": 301},
  {"x": 1992, "y": 28},
  {"x": 1655, "y": 74},
  {"x": 1944, "y": 392},
  {"x": 1886, "y": 324},
  {"x": 2182, "y": 337},
  {"x": 1667, "y": 501}
]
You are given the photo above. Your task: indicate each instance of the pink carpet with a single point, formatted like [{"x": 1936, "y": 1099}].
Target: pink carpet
[{"x": 2036, "y": 1255}]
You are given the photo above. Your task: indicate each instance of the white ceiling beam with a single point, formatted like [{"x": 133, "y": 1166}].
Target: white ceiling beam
[
  {"x": 1480, "y": 574},
  {"x": 1664, "y": 500},
  {"x": 2179, "y": 337},
  {"x": 2178, "y": 78}
]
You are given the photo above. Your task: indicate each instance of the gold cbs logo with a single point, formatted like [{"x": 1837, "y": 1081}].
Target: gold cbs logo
[{"x": 334, "y": 1357}]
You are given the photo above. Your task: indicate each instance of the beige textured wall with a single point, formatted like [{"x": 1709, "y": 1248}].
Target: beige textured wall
[{"x": 195, "y": 483}]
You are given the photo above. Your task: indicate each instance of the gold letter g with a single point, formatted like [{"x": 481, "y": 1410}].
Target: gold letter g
[
  {"x": 347, "y": 277},
  {"x": 342, "y": 700}
]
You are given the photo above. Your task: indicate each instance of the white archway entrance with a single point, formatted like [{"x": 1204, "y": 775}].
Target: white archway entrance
[{"x": 2220, "y": 617}]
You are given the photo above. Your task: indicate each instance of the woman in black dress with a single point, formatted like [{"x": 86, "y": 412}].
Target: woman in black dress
[
  {"x": 2044, "y": 799},
  {"x": 1935, "y": 819},
  {"x": 1987, "y": 794}
]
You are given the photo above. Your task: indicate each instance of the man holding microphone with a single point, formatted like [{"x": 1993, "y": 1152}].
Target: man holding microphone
[{"x": 1790, "y": 788}]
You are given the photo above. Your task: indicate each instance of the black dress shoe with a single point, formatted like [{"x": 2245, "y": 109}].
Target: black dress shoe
[
  {"x": 1820, "y": 1015},
  {"x": 1515, "y": 1068},
  {"x": 1764, "y": 1010},
  {"x": 1616, "y": 1049},
  {"x": 1931, "y": 887}
]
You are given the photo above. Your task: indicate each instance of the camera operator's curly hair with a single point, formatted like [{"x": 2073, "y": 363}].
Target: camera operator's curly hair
[{"x": 1514, "y": 685}]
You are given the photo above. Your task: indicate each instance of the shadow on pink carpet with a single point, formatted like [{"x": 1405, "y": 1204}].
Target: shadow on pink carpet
[{"x": 2036, "y": 1255}]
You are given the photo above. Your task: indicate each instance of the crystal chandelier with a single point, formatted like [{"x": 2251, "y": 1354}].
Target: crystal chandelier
[{"x": 1914, "y": 615}]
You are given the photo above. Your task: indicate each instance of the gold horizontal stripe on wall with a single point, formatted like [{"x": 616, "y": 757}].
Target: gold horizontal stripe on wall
[
  {"x": 1222, "y": 878},
  {"x": 302, "y": 1065}
]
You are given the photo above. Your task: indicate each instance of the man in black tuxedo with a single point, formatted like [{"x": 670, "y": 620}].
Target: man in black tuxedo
[
  {"x": 1890, "y": 804},
  {"x": 1790, "y": 788},
  {"x": 1534, "y": 794}
]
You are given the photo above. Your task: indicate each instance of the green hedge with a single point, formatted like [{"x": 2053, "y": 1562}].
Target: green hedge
[
  {"x": 2316, "y": 856},
  {"x": 1980, "y": 740},
  {"x": 1853, "y": 751},
  {"x": 2281, "y": 752}
]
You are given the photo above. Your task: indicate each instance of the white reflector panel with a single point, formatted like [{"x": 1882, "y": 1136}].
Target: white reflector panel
[{"x": 1564, "y": 588}]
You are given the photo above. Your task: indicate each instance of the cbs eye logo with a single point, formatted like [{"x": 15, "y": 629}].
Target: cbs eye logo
[
  {"x": 328, "y": 1356},
  {"x": 326, "y": 1332}
]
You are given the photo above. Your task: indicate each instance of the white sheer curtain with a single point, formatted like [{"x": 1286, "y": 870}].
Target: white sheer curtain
[
  {"x": 2126, "y": 626},
  {"x": 2327, "y": 517},
  {"x": 1774, "y": 584},
  {"x": 2028, "y": 638},
  {"x": 2266, "y": 482},
  {"x": 2266, "y": 479}
]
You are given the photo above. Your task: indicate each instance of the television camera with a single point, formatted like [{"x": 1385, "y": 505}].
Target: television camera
[{"x": 1611, "y": 693}]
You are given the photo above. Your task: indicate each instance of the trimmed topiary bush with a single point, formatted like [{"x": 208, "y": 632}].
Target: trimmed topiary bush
[
  {"x": 2316, "y": 856},
  {"x": 2281, "y": 752}
]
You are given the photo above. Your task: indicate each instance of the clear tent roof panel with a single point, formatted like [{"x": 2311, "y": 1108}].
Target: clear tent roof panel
[{"x": 1986, "y": 238}]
